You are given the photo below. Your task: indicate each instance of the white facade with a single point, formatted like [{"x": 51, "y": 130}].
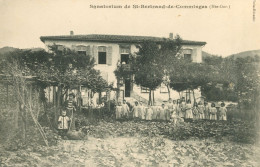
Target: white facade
[{"x": 113, "y": 56}]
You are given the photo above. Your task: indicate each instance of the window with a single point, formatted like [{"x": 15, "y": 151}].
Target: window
[
  {"x": 81, "y": 49},
  {"x": 124, "y": 52},
  {"x": 102, "y": 55},
  {"x": 124, "y": 58},
  {"x": 187, "y": 57},
  {"x": 60, "y": 49},
  {"x": 187, "y": 54},
  {"x": 144, "y": 90}
]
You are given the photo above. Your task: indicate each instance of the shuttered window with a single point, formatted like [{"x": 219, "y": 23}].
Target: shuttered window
[
  {"x": 82, "y": 49},
  {"x": 124, "y": 54},
  {"x": 102, "y": 55},
  {"x": 187, "y": 54}
]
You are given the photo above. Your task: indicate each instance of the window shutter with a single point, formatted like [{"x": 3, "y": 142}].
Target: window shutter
[
  {"x": 194, "y": 55},
  {"x": 89, "y": 51},
  {"x": 109, "y": 55},
  {"x": 95, "y": 54}
]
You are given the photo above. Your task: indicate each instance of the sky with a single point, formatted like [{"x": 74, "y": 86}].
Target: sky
[{"x": 226, "y": 30}]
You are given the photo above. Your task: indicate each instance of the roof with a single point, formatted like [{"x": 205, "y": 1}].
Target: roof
[{"x": 113, "y": 38}]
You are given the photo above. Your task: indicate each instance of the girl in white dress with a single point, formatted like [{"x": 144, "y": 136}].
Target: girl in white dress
[
  {"x": 223, "y": 112},
  {"x": 213, "y": 112},
  {"x": 178, "y": 109},
  {"x": 188, "y": 113},
  {"x": 195, "y": 111},
  {"x": 149, "y": 113},
  {"x": 135, "y": 110},
  {"x": 119, "y": 110},
  {"x": 162, "y": 113},
  {"x": 201, "y": 110},
  {"x": 206, "y": 110},
  {"x": 141, "y": 111}
]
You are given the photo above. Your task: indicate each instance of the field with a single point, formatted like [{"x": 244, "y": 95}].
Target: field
[{"x": 129, "y": 143}]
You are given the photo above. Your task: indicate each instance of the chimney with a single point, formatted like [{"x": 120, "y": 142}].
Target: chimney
[
  {"x": 171, "y": 35},
  {"x": 71, "y": 33}
]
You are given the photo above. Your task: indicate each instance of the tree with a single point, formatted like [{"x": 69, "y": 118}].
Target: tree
[
  {"x": 169, "y": 54},
  {"x": 187, "y": 75},
  {"x": 63, "y": 69},
  {"x": 147, "y": 72}
]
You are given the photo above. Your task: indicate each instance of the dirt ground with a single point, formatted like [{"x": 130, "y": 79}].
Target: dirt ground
[{"x": 135, "y": 151}]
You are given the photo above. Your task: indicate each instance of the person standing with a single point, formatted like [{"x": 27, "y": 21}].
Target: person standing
[
  {"x": 71, "y": 106},
  {"x": 63, "y": 123},
  {"x": 162, "y": 113},
  {"x": 126, "y": 110},
  {"x": 155, "y": 112},
  {"x": 119, "y": 110},
  {"x": 135, "y": 111},
  {"x": 149, "y": 113},
  {"x": 206, "y": 110},
  {"x": 195, "y": 111},
  {"x": 213, "y": 112},
  {"x": 223, "y": 112},
  {"x": 141, "y": 111},
  {"x": 201, "y": 110},
  {"x": 179, "y": 109},
  {"x": 188, "y": 113},
  {"x": 183, "y": 107}
]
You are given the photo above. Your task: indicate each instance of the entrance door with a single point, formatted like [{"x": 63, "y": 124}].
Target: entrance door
[{"x": 127, "y": 87}]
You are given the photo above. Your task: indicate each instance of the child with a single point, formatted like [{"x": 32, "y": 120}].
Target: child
[
  {"x": 178, "y": 109},
  {"x": 149, "y": 113},
  {"x": 125, "y": 109},
  {"x": 188, "y": 113},
  {"x": 155, "y": 112},
  {"x": 183, "y": 107},
  {"x": 213, "y": 112},
  {"x": 162, "y": 113},
  {"x": 119, "y": 109},
  {"x": 174, "y": 117},
  {"x": 70, "y": 104},
  {"x": 170, "y": 105},
  {"x": 141, "y": 111},
  {"x": 195, "y": 111},
  {"x": 63, "y": 123},
  {"x": 135, "y": 110},
  {"x": 201, "y": 110},
  {"x": 206, "y": 110},
  {"x": 223, "y": 112}
]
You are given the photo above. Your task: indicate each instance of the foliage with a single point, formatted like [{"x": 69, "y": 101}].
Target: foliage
[
  {"x": 188, "y": 75},
  {"x": 147, "y": 72},
  {"x": 201, "y": 129}
]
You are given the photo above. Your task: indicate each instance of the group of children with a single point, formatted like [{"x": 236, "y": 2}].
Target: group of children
[{"x": 174, "y": 110}]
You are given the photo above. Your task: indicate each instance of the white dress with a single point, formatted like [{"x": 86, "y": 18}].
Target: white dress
[
  {"x": 213, "y": 113},
  {"x": 119, "y": 112},
  {"x": 63, "y": 122},
  {"x": 149, "y": 113},
  {"x": 223, "y": 113},
  {"x": 188, "y": 113}
]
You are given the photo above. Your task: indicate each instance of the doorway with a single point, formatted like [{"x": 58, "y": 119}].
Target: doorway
[{"x": 127, "y": 87}]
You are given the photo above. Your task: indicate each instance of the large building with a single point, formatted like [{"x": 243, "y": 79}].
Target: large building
[{"x": 111, "y": 50}]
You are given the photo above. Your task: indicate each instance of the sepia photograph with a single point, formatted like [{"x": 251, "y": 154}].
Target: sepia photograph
[{"x": 129, "y": 83}]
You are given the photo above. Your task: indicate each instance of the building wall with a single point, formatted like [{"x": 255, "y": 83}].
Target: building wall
[{"x": 107, "y": 71}]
